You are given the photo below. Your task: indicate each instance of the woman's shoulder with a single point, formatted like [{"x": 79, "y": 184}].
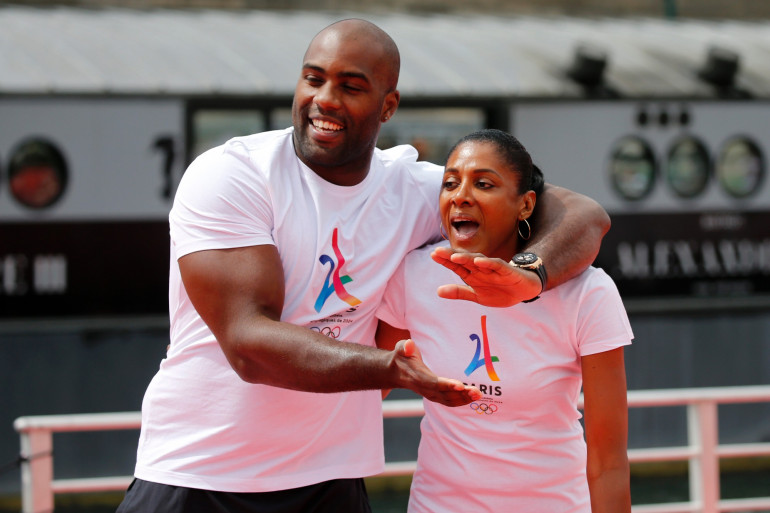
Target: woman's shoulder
[
  {"x": 593, "y": 282},
  {"x": 422, "y": 254},
  {"x": 595, "y": 276},
  {"x": 419, "y": 264},
  {"x": 598, "y": 277}
]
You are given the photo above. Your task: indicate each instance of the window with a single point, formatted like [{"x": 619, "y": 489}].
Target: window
[
  {"x": 632, "y": 167},
  {"x": 212, "y": 127},
  {"x": 688, "y": 167},
  {"x": 740, "y": 167},
  {"x": 431, "y": 131}
]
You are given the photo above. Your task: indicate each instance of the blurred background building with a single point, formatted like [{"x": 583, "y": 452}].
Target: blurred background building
[
  {"x": 657, "y": 109},
  {"x": 705, "y": 9}
]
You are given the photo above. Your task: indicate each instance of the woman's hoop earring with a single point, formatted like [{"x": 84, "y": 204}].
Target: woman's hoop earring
[{"x": 529, "y": 230}]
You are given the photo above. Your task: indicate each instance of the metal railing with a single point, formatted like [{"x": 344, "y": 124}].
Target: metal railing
[{"x": 703, "y": 450}]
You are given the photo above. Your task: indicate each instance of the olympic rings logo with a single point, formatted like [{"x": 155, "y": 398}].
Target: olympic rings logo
[
  {"x": 483, "y": 408},
  {"x": 329, "y": 332}
]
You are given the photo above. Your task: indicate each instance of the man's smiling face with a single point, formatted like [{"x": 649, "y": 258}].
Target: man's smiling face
[{"x": 340, "y": 100}]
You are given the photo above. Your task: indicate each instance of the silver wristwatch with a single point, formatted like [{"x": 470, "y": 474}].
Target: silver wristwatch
[{"x": 531, "y": 262}]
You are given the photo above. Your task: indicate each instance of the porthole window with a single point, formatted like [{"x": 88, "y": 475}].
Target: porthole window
[
  {"x": 37, "y": 173},
  {"x": 688, "y": 167},
  {"x": 632, "y": 167},
  {"x": 740, "y": 167}
]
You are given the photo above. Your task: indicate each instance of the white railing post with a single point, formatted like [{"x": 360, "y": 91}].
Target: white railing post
[
  {"x": 37, "y": 471},
  {"x": 703, "y": 434}
]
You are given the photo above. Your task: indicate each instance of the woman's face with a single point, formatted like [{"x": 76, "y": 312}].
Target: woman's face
[{"x": 479, "y": 202}]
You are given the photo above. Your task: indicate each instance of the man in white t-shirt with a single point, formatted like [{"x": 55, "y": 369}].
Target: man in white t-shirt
[{"x": 281, "y": 246}]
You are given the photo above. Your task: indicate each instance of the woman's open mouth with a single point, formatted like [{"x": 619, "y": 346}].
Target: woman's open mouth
[{"x": 464, "y": 228}]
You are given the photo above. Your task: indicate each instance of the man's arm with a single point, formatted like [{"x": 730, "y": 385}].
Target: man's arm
[
  {"x": 567, "y": 230},
  {"x": 239, "y": 294}
]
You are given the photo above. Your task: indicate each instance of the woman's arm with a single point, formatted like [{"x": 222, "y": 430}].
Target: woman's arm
[
  {"x": 387, "y": 336},
  {"x": 606, "y": 424}
]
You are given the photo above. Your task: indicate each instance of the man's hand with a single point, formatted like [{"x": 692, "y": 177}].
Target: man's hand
[
  {"x": 489, "y": 281},
  {"x": 420, "y": 379}
]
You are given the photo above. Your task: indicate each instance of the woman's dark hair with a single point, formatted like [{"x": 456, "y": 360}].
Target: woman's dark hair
[{"x": 514, "y": 154}]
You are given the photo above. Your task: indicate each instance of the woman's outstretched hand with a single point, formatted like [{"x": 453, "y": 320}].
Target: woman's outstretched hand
[{"x": 488, "y": 281}]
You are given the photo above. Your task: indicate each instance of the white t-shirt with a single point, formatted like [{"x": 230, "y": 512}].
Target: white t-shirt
[
  {"x": 202, "y": 426},
  {"x": 520, "y": 448}
]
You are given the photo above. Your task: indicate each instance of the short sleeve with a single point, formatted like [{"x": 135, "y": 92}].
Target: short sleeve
[
  {"x": 392, "y": 307},
  {"x": 603, "y": 324},
  {"x": 222, "y": 202}
]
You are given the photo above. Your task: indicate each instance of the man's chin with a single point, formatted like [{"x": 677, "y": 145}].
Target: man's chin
[
  {"x": 319, "y": 160},
  {"x": 312, "y": 152}
]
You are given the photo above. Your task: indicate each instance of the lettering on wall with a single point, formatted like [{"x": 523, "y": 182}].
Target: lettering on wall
[
  {"x": 37, "y": 274},
  {"x": 688, "y": 254}
]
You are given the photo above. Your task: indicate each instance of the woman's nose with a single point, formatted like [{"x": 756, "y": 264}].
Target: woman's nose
[{"x": 463, "y": 193}]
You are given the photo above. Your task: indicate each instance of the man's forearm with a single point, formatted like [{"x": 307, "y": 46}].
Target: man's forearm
[
  {"x": 288, "y": 356},
  {"x": 239, "y": 294},
  {"x": 567, "y": 232}
]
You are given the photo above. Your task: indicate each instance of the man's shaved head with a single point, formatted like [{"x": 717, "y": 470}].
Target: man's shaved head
[
  {"x": 346, "y": 90},
  {"x": 360, "y": 31}
]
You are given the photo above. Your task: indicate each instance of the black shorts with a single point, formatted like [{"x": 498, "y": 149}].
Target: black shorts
[{"x": 336, "y": 496}]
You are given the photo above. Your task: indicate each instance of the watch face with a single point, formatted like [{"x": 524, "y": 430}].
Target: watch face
[{"x": 525, "y": 258}]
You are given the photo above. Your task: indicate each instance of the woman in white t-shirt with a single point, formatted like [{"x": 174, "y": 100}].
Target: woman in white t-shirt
[{"x": 522, "y": 447}]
